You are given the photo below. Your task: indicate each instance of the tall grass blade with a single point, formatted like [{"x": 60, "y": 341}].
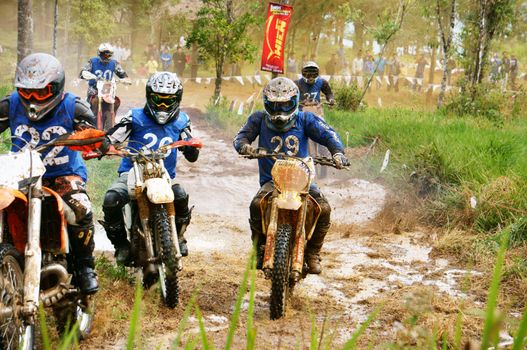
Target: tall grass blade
[
  {"x": 184, "y": 320},
  {"x": 136, "y": 314},
  {"x": 46, "y": 344},
  {"x": 238, "y": 305},
  {"x": 314, "y": 333},
  {"x": 191, "y": 345},
  {"x": 202, "y": 331},
  {"x": 458, "y": 331},
  {"x": 69, "y": 338},
  {"x": 492, "y": 299},
  {"x": 322, "y": 332},
  {"x": 519, "y": 339},
  {"x": 352, "y": 343},
  {"x": 251, "y": 329}
]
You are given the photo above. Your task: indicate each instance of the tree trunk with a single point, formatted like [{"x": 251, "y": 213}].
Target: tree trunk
[
  {"x": 55, "y": 26},
  {"x": 66, "y": 31},
  {"x": 316, "y": 41},
  {"x": 219, "y": 76},
  {"x": 430, "y": 89},
  {"x": 25, "y": 29},
  {"x": 478, "y": 51},
  {"x": 359, "y": 37},
  {"x": 446, "y": 41},
  {"x": 135, "y": 30}
]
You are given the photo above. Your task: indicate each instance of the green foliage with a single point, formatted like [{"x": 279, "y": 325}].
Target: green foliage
[
  {"x": 220, "y": 116},
  {"x": 92, "y": 22},
  {"x": 112, "y": 271},
  {"x": 349, "y": 98}
]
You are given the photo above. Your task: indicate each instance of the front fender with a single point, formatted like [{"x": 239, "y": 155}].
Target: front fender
[{"x": 159, "y": 191}]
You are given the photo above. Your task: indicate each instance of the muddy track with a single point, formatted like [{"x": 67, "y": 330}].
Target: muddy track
[{"x": 360, "y": 266}]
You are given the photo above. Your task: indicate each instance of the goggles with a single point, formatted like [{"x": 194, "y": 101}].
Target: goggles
[
  {"x": 106, "y": 54},
  {"x": 39, "y": 95},
  {"x": 162, "y": 101},
  {"x": 281, "y": 107}
]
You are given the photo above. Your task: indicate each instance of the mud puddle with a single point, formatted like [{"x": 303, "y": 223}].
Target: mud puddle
[{"x": 358, "y": 268}]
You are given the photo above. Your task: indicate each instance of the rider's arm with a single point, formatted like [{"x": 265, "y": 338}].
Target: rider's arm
[
  {"x": 191, "y": 153},
  {"x": 326, "y": 89},
  {"x": 83, "y": 116},
  {"x": 249, "y": 131},
  {"x": 119, "y": 71},
  {"x": 320, "y": 132},
  {"x": 87, "y": 67},
  {"x": 4, "y": 113},
  {"x": 120, "y": 132}
]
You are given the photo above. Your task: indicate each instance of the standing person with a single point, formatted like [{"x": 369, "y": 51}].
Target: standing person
[
  {"x": 495, "y": 67},
  {"x": 151, "y": 65},
  {"x": 160, "y": 122},
  {"x": 380, "y": 63},
  {"x": 451, "y": 65},
  {"x": 394, "y": 70},
  {"x": 291, "y": 66},
  {"x": 40, "y": 111},
  {"x": 357, "y": 65},
  {"x": 179, "y": 61},
  {"x": 505, "y": 69},
  {"x": 282, "y": 120},
  {"x": 514, "y": 69},
  {"x": 420, "y": 72},
  {"x": 166, "y": 59}
]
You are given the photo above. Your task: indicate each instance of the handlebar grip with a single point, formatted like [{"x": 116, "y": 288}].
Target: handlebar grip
[{"x": 90, "y": 155}]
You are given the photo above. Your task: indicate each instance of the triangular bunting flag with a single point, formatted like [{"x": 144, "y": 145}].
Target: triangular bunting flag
[
  {"x": 258, "y": 79},
  {"x": 240, "y": 109},
  {"x": 198, "y": 80},
  {"x": 240, "y": 79},
  {"x": 249, "y": 79}
]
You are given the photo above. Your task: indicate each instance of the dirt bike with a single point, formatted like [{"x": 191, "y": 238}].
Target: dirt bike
[
  {"x": 315, "y": 149},
  {"x": 150, "y": 217},
  {"x": 105, "y": 99},
  {"x": 290, "y": 215},
  {"x": 35, "y": 266}
]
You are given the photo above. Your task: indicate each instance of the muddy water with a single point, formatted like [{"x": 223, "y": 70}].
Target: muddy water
[{"x": 358, "y": 269}]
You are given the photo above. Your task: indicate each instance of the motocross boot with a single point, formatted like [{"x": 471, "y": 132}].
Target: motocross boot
[
  {"x": 258, "y": 239},
  {"x": 314, "y": 245},
  {"x": 181, "y": 227},
  {"x": 116, "y": 233},
  {"x": 82, "y": 245}
]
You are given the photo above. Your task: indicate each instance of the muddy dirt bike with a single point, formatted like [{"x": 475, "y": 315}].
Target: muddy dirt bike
[
  {"x": 150, "y": 217},
  {"x": 105, "y": 99},
  {"x": 315, "y": 149},
  {"x": 290, "y": 215},
  {"x": 35, "y": 266}
]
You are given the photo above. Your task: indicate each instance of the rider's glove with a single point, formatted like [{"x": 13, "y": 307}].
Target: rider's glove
[
  {"x": 248, "y": 150},
  {"x": 340, "y": 160},
  {"x": 332, "y": 102}
]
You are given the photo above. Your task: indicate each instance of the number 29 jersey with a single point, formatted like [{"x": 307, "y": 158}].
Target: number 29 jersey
[
  {"x": 59, "y": 161},
  {"x": 293, "y": 142},
  {"x": 146, "y": 133}
]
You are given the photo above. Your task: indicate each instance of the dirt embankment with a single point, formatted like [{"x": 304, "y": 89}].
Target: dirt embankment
[{"x": 361, "y": 266}]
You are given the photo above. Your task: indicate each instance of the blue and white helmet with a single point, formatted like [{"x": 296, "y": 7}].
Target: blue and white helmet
[
  {"x": 281, "y": 98},
  {"x": 164, "y": 92}
]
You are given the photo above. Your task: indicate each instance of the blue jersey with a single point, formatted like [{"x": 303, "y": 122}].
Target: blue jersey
[
  {"x": 310, "y": 92},
  {"x": 147, "y": 133},
  {"x": 102, "y": 69},
  {"x": 293, "y": 142},
  {"x": 59, "y": 161}
]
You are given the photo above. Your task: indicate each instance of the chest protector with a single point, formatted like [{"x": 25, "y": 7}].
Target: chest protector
[
  {"x": 147, "y": 133},
  {"x": 309, "y": 92},
  {"x": 59, "y": 161},
  {"x": 101, "y": 69}
]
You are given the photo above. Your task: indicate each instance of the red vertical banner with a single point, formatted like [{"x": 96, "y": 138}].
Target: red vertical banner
[{"x": 278, "y": 18}]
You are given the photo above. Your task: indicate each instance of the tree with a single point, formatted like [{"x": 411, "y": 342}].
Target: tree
[
  {"x": 220, "y": 32},
  {"x": 445, "y": 16},
  {"x": 25, "y": 29}
]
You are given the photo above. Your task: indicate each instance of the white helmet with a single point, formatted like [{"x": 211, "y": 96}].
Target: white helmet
[
  {"x": 163, "y": 96},
  {"x": 105, "y": 52},
  {"x": 281, "y": 96},
  {"x": 310, "y": 72}
]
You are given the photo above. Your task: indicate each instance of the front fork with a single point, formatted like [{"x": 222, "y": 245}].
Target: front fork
[
  {"x": 175, "y": 238},
  {"x": 33, "y": 254}
]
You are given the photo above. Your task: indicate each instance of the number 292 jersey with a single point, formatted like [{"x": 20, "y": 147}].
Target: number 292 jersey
[
  {"x": 147, "y": 133},
  {"x": 59, "y": 161},
  {"x": 293, "y": 142}
]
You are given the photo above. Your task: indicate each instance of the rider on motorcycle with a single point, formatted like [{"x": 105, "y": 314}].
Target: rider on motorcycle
[
  {"x": 311, "y": 84},
  {"x": 283, "y": 127},
  {"x": 158, "y": 123},
  {"x": 40, "y": 111},
  {"x": 104, "y": 67}
]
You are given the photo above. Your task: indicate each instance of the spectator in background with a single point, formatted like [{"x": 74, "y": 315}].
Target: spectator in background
[
  {"x": 420, "y": 72},
  {"x": 393, "y": 70},
  {"x": 332, "y": 65},
  {"x": 151, "y": 65},
  {"x": 357, "y": 65},
  {"x": 451, "y": 65},
  {"x": 291, "y": 66},
  {"x": 380, "y": 62},
  {"x": 495, "y": 67},
  {"x": 142, "y": 71},
  {"x": 166, "y": 59},
  {"x": 514, "y": 68},
  {"x": 179, "y": 61},
  {"x": 505, "y": 67}
]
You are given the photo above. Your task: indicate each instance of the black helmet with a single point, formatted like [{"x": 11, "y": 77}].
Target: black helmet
[
  {"x": 281, "y": 96},
  {"x": 163, "y": 96},
  {"x": 39, "y": 81},
  {"x": 310, "y": 72},
  {"x": 105, "y": 52}
]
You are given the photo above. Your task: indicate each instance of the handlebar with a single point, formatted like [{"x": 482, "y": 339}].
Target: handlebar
[{"x": 264, "y": 153}]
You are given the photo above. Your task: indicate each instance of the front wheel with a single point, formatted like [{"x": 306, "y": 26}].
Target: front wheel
[
  {"x": 168, "y": 279},
  {"x": 16, "y": 334},
  {"x": 67, "y": 317},
  {"x": 281, "y": 268}
]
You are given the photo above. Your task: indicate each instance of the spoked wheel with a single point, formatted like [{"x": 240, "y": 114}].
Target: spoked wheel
[
  {"x": 15, "y": 333},
  {"x": 168, "y": 279},
  {"x": 281, "y": 268}
]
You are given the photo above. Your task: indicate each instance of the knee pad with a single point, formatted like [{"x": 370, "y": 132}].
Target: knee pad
[{"x": 112, "y": 200}]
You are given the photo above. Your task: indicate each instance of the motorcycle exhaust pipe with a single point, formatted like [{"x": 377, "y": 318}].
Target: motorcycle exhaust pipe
[{"x": 54, "y": 281}]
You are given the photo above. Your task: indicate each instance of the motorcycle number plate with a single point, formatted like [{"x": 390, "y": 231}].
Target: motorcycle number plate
[{"x": 19, "y": 167}]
